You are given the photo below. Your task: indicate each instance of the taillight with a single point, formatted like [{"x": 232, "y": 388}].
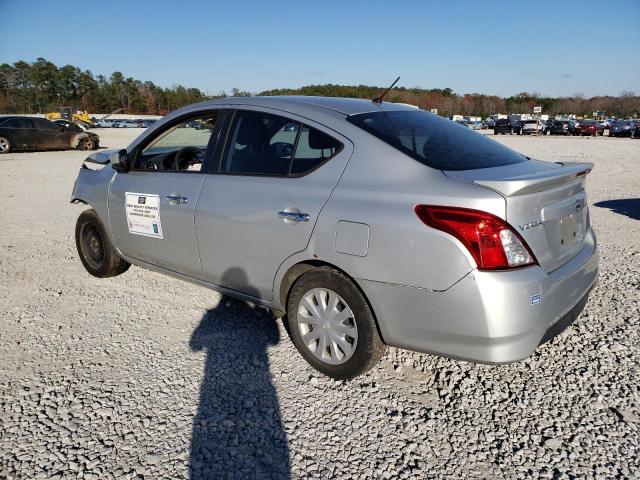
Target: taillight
[{"x": 491, "y": 241}]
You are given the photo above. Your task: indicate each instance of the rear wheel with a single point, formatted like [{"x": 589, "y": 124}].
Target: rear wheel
[
  {"x": 332, "y": 325},
  {"x": 96, "y": 251},
  {"x": 5, "y": 145}
]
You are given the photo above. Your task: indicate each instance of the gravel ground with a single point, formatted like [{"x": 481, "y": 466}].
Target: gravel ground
[{"x": 145, "y": 376}]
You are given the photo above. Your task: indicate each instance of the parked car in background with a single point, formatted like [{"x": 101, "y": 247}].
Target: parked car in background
[
  {"x": 635, "y": 131},
  {"x": 105, "y": 123},
  {"x": 488, "y": 123},
  {"x": 464, "y": 123},
  {"x": 589, "y": 127},
  {"x": 126, "y": 124},
  {"x": 562, "y": 127},
  {"x": 146, "y": 123},
  {"x": 535, "y": 127},
  {"x": 506, "y": 125},
  {"x": 621, "y": 128},
  {"x": 475, "y": 125},
  {"x": 31, "y": 133},
  {"x": 492, "y": 252}
]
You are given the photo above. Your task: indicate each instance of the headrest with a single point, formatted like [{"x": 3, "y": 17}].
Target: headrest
[
  {"x": 252, "y": 131},
  {"x": 320, "y": 141}
]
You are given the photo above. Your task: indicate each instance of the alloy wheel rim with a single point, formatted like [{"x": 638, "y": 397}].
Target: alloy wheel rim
[
  {"x": 327, "y": 326},
  {"x": 4, "y": 145}
]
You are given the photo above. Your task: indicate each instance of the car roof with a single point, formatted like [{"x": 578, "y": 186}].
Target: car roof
[
  {"x": 346, "y": 106},
  {"x": 7, "y": 117}
]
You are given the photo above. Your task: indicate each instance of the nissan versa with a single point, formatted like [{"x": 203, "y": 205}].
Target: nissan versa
[{"x": 363, "y": 223}]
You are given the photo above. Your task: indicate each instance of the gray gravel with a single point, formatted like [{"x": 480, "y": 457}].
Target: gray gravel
[{"x": 144, "y": 376}]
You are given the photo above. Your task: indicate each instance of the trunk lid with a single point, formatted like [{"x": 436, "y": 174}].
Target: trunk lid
[{"x": 546, "y": 204}]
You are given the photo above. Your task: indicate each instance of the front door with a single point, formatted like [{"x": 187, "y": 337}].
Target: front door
[
  {"x": 51, "y": 136},
  {"x": 261, "y": 206},
  {"x": 152, "y": 207}
]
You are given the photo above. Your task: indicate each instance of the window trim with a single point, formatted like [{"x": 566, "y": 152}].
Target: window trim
[
  {"x": 208, "y": 155},
  {"x": 233, "y": 113}
]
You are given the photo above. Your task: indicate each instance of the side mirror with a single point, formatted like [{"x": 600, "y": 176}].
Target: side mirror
[{"x": 120, "y": 161}]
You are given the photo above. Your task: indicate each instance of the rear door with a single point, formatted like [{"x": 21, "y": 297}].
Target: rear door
[
  {"x": 275, "y": 175},
  {"x": 21, "y": 132},
  {"x": 152, "y": 207}
]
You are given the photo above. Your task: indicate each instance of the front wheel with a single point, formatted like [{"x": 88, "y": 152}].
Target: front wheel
[
  {"x": 95, "y": 249},
  {"x": 86, "y": 144},
  {"x": 332, "y": 325},
  {"x": 5, "y": 145}
]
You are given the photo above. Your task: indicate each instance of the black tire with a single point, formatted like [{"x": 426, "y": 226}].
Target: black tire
[
  {"x": 369, "y": 347},
  {"x": 95, "y": 249},
  {"x": 86, "y": 144},
  {"x": 5, "y": 145}
]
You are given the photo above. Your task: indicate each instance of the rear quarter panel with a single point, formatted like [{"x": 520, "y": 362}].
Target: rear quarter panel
[{"x": 380, "y": 188}]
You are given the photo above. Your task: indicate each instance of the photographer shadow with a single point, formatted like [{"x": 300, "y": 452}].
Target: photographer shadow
[{"x": 237, "y": 431}]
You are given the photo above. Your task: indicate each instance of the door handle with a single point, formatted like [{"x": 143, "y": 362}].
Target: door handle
[
  {"x": 175, "y": 199},
  {"x": 293, "y": 216}
]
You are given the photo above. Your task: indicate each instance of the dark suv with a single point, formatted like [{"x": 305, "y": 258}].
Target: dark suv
[
  {"x": 507, "y": 125},
  {"x": 562, "y": 127}
]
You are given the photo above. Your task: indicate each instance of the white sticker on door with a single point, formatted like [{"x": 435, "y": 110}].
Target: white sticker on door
[{"x": 143, "y": 214}]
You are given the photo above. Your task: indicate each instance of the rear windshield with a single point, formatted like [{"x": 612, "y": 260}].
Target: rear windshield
[{"x": 435, "y": 141}]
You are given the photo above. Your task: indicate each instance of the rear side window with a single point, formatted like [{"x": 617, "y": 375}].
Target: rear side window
[
  {"x": 436, "y": 142},
  {"x": 264, "y": 144},
  {"x": 314, "y": 148},
  {"x": 17, "y": 123}
]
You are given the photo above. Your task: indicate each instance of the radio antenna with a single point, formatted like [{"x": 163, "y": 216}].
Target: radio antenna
[{"x": 379, "y": 99}]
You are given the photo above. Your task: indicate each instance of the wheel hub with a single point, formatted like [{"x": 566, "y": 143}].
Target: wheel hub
[{"x": 327, "y": 326}]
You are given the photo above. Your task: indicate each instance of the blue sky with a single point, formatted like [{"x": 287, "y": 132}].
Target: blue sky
[{"x": 493, "y": 47}]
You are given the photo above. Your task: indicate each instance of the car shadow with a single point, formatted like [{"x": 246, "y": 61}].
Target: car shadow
[
  {"x": 629, "y": 207},
  {"x": 237, "y": 431}
]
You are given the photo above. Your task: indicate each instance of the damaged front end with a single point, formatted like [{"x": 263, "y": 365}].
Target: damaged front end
[
  {"x": 85, "y": 141},
  {"x": 92, "y": 183}
]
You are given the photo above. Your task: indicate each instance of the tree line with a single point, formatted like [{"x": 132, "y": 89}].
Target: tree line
[{"x": 42, "y": 86}]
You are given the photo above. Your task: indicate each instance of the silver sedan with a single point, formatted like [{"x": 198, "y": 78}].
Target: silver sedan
[{"x": 363, "y": 224}]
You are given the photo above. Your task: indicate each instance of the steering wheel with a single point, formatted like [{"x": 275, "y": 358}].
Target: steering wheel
[{"x": 185, "y": 157}]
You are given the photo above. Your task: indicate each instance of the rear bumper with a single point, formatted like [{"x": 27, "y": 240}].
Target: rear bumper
[{"x": 487, "y": 317}]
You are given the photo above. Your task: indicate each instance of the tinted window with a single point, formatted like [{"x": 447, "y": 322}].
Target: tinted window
[
  {"x": 314, "y": 147},
  {"x": 436, "y": 142},
  {"x": 17, "y": 123},
  {"x": 43, "y": 124},
  {"x": 260, "y": 144}
]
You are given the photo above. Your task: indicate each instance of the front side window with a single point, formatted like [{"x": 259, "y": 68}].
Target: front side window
[
  {"x": 434, "y": 141},
  {"x": 264, "y": 144},
  {"x": 42, "y": 124},
  {"x": 181, "y": 148}
]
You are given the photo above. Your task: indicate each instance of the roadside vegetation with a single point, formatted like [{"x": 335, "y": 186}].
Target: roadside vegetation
[{"x": 42, "y": 86}]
